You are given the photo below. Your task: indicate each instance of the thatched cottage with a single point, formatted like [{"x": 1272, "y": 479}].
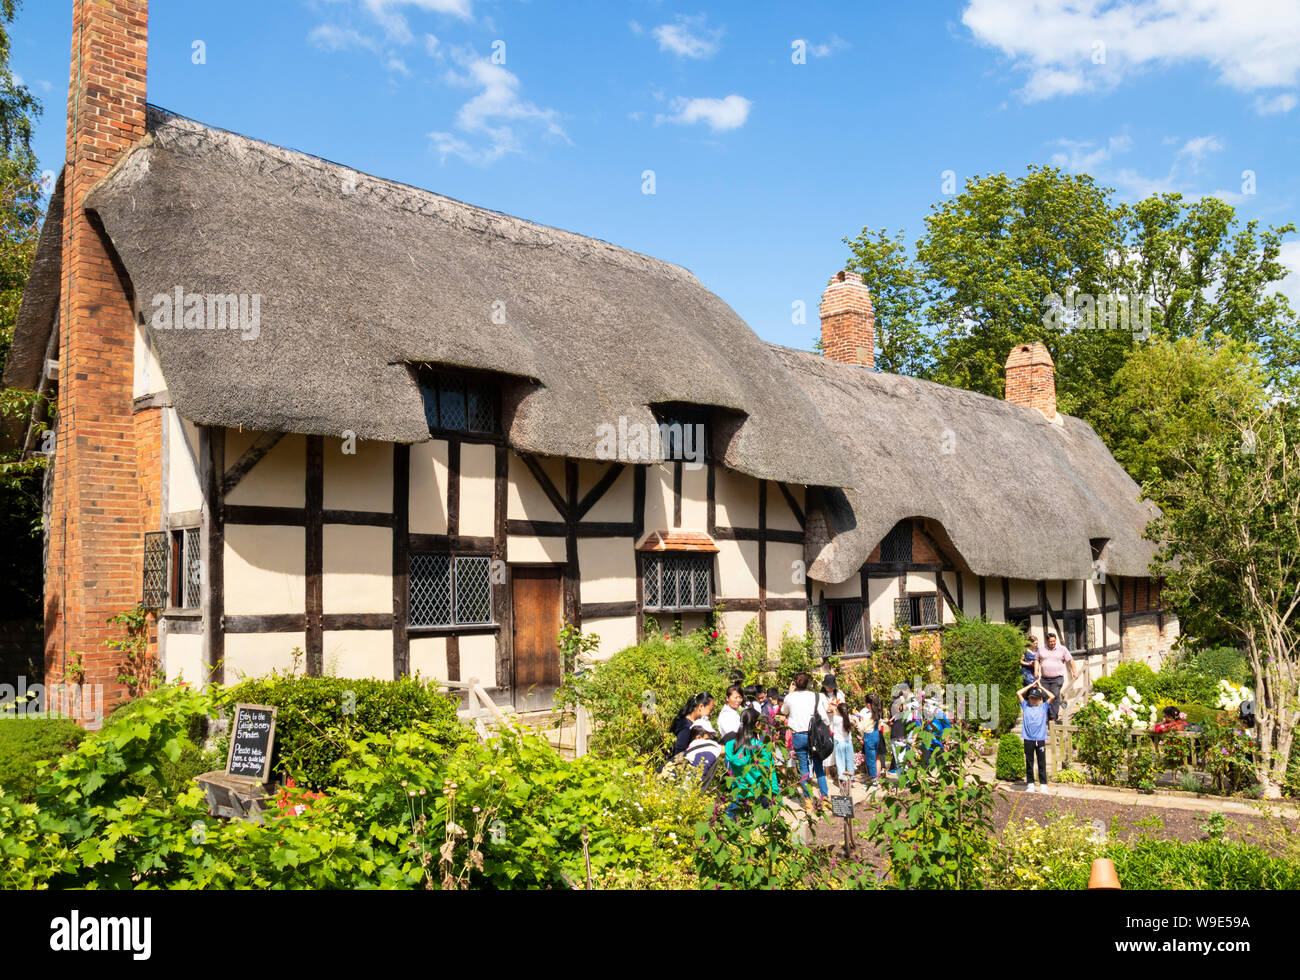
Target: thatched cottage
[{"x": 301, "y": 407}]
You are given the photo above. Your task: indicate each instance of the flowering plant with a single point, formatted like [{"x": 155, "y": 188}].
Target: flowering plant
[{"x": 1231, "y": 695}]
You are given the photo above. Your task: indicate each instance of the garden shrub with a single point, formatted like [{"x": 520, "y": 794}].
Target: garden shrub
[
  {"x": 893, "y": 661},
  {"x": 1068, "y": 776},
  {"x": 1032, "y": 856},
  {"x": 1153, "y": 864},
  {"x": 1185, "y": 684},
  {"x": 25, "y": 742},
  {"x": 1138, "y": 676},
  {"x": 1222, "y": 662},
  {"x": 977, "y": 652},
  {"x": 632, "y": 697},
  {"x": 318, "y": 714},
  {"x": 1011, "y": 758},
  {"x": 193, "y": 760}
]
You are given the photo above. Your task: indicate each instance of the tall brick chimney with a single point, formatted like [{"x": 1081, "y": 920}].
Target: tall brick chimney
[
  {"x": 1031, "y": 378},
  {"x": 848, "y": 321},
  {"x": 96, "y": 516}
]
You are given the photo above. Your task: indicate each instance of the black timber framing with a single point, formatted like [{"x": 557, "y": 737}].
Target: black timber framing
[
  {"x": 762, "y": 560},
  {"x": 213, "y": 604},
  {"x": 315, "y": 560},
  {"x": 502, "y": 603},
  {"x": 253, "y": 455},
  {"x": 401, "y": 560}
]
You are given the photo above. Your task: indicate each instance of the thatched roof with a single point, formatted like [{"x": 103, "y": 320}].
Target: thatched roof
[
  {"x": 1018, "y": 495},
  {"x": 360, "y": 277},
  {"x": 40, "y": 302}
]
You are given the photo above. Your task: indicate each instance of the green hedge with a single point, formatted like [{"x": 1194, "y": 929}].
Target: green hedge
[
  {"x": 318, "y": 714},
  {"x": 978, "y": 652},
  {"x": 1011, "y": 758},
  {"x": 24, "y": 742}
]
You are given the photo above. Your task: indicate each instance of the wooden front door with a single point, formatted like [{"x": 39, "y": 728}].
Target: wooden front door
[{"x": 538, "y": 604}]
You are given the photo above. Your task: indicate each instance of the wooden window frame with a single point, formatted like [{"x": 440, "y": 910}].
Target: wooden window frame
[{"x": 649, "y": 560}]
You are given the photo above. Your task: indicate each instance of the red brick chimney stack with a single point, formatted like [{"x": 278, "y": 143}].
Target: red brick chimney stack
[
  {"x": 1031, "y": 378},
  {"x": 96, "y": 517},
  {"x": 848, "y": 321}
]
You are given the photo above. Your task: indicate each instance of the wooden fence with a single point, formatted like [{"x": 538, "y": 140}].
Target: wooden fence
[{"x": 1062, "y": 752}]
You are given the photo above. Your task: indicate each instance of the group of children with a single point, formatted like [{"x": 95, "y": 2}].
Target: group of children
[{"x": 882, "y": 737}]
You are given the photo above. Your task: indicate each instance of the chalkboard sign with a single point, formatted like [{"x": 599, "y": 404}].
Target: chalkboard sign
[
  {"x": 252, "y": 736},
  {"x": 842, "y": 806}
]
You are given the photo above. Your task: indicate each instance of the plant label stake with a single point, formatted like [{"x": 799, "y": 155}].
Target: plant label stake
[{"x": 842, "y": 806}]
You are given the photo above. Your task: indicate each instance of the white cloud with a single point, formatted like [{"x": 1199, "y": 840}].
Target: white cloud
[
  {"x": 390, "y": 14},
  {"x": 1085, "y": 155},
  {"x": 329, "y": 37},
  {"x": 492, "y": 115},
  {"x": 688, "y": 38},
  {"x": 1080, "y": 156},
  {"x": 1289, "y": 256},
  {"x": 1071, "y": 46},
  {"x": 1284, "y": 102},
  {"x": 825, "y": 49},
  {"x": 719, "y": 115}
]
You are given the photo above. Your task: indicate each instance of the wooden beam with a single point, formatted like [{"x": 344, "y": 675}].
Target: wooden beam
[
  {"x": 262, "y": 445},
  {"x": 263, "y": 516},
  {"x": 453, "y": 657},
  {"x": 572, "y": 572},
  {"x": 548, "y": 488},
  {"x": 453, "y": 488},
  {"x": 357, "y": 518},
  {"x": 677, "y": 494},
  {"x": 439, "y": 544},
  {"x": 891, "y": 568},
  {"x": 758, "y": 534},
  {"x": 401, "y": 560},
  {"x": 961, "y": 598},
  {"x": 502, "y": 608},
  {"x": 607, "y": 610},
  {"x": 984, "y": 606},
  {"x": 279, "y": 623},
  {"x": 755, "y": 605},
  {"x": 1006, "y": 599},
  {"x": 560, "y": 529},
  {"x": 711, "y": 502},
  {"x": 212, "y": 550},
  {"x": 602, "y": 487},
  {"x": 315, "y": 557},
  {"x": 794, "y": 506},
  {"x": 638, "y": 504}
]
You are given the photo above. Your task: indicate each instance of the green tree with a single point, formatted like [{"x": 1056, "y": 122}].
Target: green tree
[
  {"x": 1231, "y": 558},
  {"x": 1009, "y": 261},
  {"x": 1171, "y": 397},
  {"x": 21, "y": 213}
]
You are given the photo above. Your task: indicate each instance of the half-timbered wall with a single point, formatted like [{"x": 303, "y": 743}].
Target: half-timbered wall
[{"x": 306, "y": 549}]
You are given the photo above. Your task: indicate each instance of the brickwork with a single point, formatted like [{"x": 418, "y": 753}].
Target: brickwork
[
  {"x": 1145, "y": 642},
  {"x": 96, "y": 518},
  {"x": 848, "y": 321},
  {"x": 1031, "y": 378}
]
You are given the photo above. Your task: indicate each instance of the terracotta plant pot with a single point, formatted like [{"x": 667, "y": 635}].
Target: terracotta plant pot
[{"x": 1103, "y": 875}]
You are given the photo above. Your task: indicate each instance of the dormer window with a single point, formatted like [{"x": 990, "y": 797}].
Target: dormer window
[
  {"x": 896, "y": 548},
  {"x": 683, "y": 432},
  {"x": 461, "y": 403}
]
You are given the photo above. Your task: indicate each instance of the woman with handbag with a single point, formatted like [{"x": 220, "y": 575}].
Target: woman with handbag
[{"x": 806, "y": 712}]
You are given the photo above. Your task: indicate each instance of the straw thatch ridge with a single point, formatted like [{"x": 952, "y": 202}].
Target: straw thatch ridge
[
  {"x": 361, "y": 277},
  {"x": 1018, "y": 495},
  {"x": 40, "y": 303}
]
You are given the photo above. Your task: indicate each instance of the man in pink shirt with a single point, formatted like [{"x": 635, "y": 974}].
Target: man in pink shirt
[{"x": 1053, "y": 660}]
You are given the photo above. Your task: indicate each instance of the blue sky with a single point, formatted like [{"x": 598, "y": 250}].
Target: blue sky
[{"x": 762, "y": 166}]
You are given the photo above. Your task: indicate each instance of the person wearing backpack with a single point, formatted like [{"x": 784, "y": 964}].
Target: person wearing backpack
[{"x": 811, "y": 728}]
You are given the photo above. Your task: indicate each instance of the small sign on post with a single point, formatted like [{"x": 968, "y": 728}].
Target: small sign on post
[{"x": 842, "y": 806}]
